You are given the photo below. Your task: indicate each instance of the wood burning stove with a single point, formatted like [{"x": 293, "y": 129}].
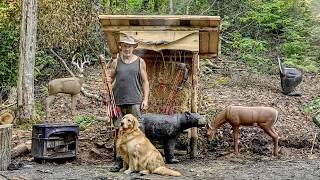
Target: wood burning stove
[{"x": 54, "y": 141}]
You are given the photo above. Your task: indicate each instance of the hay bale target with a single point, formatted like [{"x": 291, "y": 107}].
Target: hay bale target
[{"x": 164, "y": 43}]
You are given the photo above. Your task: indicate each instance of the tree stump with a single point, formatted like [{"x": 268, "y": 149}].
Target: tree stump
[{"x": 5, "y": 146}]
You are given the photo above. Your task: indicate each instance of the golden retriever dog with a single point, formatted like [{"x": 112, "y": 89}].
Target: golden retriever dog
[{"x": 137, "y": 152}]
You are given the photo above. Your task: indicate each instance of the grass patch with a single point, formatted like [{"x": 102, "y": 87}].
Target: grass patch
[
  {"x": 84, "y": 120},
  {"x": 313, "y": 107}
]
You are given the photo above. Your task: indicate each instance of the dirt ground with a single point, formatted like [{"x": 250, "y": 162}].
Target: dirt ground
[{"x": 220, "y": 85}]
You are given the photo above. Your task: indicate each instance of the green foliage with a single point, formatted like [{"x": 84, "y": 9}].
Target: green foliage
[
  {"x": 28, "y": 124},
  {"x": 220, "y": 81},
  {"x": 252, "y": 31},
  {"x": 43, "y": 60},
  {"x": 67, "y": 27},
  {"x": 39, "y": 109},
  {"x": 313, "y": 107},
  {"x": 37, "y": 118},
  {"x": 84, "y": 120},
  {"x": 9, "y": 43},
  {"x": 65, "y": 24},
  {"x": 265, "y": 29}
]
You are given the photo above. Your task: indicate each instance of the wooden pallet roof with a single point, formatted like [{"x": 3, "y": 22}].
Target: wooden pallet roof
[{"x": 137, "y": 26}]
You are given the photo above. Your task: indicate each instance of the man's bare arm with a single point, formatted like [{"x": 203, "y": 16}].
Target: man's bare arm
[{"x": 145, "y": 84}]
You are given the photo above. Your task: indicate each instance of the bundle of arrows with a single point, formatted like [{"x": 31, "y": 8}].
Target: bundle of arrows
[
  {"x": 178, "y": 85},
  {"x": 113, "y": 110}
]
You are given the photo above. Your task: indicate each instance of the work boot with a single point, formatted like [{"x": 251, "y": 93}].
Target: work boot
[
  {"x": 117, "y": 165},
  {"x": 172, "y": 160}
]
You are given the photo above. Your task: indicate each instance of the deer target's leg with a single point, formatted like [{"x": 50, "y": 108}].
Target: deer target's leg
[
  {"x": 74, "y": 98},
  {"x": 49, "y": 101},
  {"x": 275, "y": 138},
  {"x": 236, "y": 139}
]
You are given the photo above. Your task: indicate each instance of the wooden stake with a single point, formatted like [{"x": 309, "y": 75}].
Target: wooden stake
[
  {"x": 194, "y": 103},
  {"x": 5, "y": 146},
  {"x": 313, "y": 142}
]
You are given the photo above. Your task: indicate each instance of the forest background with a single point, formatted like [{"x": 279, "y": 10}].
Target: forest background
[{"x": 253, "y": 32}]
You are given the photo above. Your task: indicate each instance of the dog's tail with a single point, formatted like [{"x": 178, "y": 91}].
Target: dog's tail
[{"x": 166, "y": 171}]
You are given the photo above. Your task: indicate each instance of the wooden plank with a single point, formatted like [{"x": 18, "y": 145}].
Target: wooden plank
[
  {"x": 114, "y": 22},
  {"x": 204, "y": 44},
  {"x": 112, "y": 41},
  {"x": 214, "y": 23},
  {"x": 204, "y": 22},
  {"x": 124, "y": 22},
  {"x": 153, "y": 22},
  {"x": 171, "y": 22},
  {"x": 160, "y": 20},
  {"x": 194, "y": 22},
  {"x": 105, "y": 22},
  {"x": 158, "y": 28},
  {"x": 183, "y": 17},
  {"x": 154, "y": 56},
  {"x": 208, "y": 26},
  {"x": 158, "y": 40},
  {"x": 208, "y": 56},
  {"x": 213, "y": 43},
  {"x": 155, "y": 36},
  {"x": 194, "y": 104}
]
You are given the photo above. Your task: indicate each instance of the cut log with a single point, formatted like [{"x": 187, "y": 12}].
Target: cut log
[
  {"x": 6, "y": 118},
  {"x": 20, "y": 149},
  {"x": 5, "y": 146}
]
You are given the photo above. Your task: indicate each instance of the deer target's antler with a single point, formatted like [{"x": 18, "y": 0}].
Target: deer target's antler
[{"x": 80, "y": 62}]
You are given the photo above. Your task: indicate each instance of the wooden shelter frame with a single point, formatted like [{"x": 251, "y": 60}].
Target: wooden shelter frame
[{"x": 198, "y": 34}]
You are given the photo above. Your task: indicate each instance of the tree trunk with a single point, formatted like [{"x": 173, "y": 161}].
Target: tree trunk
[
  {"x": 171, "y": 6},
  {"x": 5, "y": 146},
  {"x": 27, "y": 49},
  {"x": 194, "y": 104}
]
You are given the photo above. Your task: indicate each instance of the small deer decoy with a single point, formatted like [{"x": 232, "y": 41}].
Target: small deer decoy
[
  {"x": 236, "y": 116},
  {"x": 70, "y": 85}
]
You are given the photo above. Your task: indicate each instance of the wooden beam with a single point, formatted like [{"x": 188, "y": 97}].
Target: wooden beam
[
  {"x": 208, "y": 56},
  {"x": 159, "y": 28},
  {"x": 112, "y": 39},
  {"x": 194, "y": 104},
  {"x": 204, "y": 42},
  {"x": 158, "y": 40},
  {"x": 182, "y": 17}
]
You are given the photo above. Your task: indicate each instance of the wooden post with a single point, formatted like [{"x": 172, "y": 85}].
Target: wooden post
[
  {"x": 194, "y": 102},
  {"x": 5, "y": 146}
]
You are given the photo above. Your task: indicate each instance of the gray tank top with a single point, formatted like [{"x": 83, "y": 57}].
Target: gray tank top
[{"x": 127, "y": 86}]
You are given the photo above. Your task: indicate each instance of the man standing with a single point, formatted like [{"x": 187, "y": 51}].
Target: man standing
[{"x": 130, "y": 88}]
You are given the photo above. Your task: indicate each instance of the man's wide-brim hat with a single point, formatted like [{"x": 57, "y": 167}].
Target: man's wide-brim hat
[{"x": 128, "y": 40}]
